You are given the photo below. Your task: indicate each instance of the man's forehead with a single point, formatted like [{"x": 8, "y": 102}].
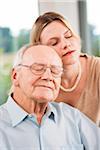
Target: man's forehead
[
  {"x": 40, "y": 48},
  {"x": 42, "y": 53}
]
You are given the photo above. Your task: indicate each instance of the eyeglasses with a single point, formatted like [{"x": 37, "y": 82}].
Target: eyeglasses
[{"x": 39, "y": 69}]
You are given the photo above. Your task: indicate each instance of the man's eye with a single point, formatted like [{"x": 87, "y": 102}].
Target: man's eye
[
  {"x": 37, "y": 67},
  {"x": 55, "y": 69}
]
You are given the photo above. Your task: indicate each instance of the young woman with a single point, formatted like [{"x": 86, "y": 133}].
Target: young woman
[{"x": 80, "y": 85}]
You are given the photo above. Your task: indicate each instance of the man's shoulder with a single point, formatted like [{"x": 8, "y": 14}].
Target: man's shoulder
[
  {"x": 65, "y": 109},
  {"x": 4, "y": 116},
  {"x": 63, "y": 105},
  {"x": 2, "y": 109},
  {"x": 66, "y": 113}
]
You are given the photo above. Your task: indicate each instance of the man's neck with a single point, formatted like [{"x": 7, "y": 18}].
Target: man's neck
[{"x": 31, "y": 106}]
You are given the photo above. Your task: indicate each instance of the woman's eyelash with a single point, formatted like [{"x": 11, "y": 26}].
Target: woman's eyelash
[
  {"x": 68, "y": 36},
  {"x": 54, "y": 43}
]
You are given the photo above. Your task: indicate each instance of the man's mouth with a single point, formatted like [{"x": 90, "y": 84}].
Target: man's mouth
[{"x": 45, "y": 86}]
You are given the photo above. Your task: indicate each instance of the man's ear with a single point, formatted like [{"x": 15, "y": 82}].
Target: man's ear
[{"x": 14, "y": 77}]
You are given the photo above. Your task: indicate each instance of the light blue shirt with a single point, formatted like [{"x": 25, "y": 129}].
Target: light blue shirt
[{"x": 62, "y": 128}]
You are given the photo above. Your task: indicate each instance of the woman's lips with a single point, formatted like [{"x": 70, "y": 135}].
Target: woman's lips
[{"x": 69, "y": 53}]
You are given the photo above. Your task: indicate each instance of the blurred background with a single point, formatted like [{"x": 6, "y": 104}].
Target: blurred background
[{"x": 17, "y": 18}]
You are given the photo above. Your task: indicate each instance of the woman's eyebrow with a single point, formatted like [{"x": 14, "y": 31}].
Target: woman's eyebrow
[{"x": 67, "y": 31}]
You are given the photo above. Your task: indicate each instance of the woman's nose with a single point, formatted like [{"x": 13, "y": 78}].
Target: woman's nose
[{"x": 64, "y": 43}]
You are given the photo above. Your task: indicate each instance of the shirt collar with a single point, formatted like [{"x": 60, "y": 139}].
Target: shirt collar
[
  {"x": 52, "y": 113},
  {"x": 17, "y": 114}
]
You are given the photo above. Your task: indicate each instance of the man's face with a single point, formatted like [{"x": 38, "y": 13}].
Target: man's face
[{"x": 42, "y": 87}]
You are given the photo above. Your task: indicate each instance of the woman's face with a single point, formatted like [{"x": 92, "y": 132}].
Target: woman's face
[{"x": 58, "y": 36}]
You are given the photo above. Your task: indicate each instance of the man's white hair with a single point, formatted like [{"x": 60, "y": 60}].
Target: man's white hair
[
  {"x": 18, "y": 59},
  {"x": 19, "y": 56}
]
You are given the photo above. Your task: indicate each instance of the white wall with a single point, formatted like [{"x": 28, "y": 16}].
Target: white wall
[{"x": 68, "y": 8}]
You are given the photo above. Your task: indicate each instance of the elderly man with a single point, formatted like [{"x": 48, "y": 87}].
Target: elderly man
[{"x": 30, "y": 120}]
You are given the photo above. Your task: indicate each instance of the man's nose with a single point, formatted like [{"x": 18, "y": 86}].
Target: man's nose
[{"x": 47, "y": 75}]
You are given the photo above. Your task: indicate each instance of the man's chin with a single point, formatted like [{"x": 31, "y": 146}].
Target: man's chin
[
  {"x": 44, "y": 99},
  {"x": 42, "y": 94}
]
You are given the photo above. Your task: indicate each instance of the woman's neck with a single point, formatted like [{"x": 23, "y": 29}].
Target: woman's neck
[
  {"x": 71, "y": 77},
  {"x": 71, "y": 72}
]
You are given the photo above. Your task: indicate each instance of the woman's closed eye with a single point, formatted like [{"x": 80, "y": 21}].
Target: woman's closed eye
[
  {"x": 68, "y": 34},
  {"x": 53, "y": 42}
]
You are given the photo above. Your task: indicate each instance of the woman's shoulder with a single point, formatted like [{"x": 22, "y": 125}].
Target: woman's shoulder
[
  {"x": 93, "y": 66},
  {"x": 93, "y": 61}
]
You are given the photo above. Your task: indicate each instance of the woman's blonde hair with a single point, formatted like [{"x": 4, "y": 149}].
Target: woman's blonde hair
[{"x": 42, "y": 21}]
